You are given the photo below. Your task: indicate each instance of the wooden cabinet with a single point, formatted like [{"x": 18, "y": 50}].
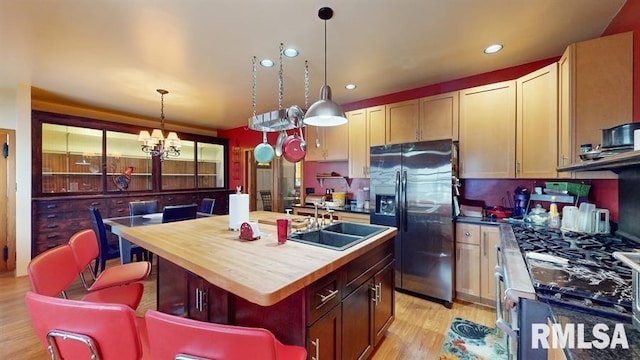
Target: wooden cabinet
[
  {"x": 325, "y": 336},
  {"x": 467, "y": 260},
  {"x": 488, "y": 131},
  {"x": 55, "y": 219},
  {"x": 596, "y": 91},
  {"x": 334, "y": 143},
  {"x": 366, "y": 129},
  {"x": 430, "y": 118},
  {"x": 438, "y": 118},
  {"x": 475, "y": 262},
  {"x": 402, "y": 121},
  {"x": 384, "y": 305},
  {"x": 537, "y": 124},
  {"x": 489, "y": 240}
]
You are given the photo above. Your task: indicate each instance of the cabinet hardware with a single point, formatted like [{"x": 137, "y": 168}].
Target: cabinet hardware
[
  {"x": 316, "y": 343},
  {"x": 52, "y": 206},
  {"x": 484, "y": 244},
  {"x": 52, "y": 216},
  {"x": 467, "y": 234},
  {"x": 94, "y": 203},
  {"x": 378, "y": 292},
  {"x": 52, "y": 236},
  {"x": 200, "y": 299},
  {"x": 197, "y": 299},
  {"x": 325, "y": 298}
]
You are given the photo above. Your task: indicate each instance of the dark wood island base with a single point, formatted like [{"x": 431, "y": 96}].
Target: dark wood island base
[{"x": 343, "y": 315}]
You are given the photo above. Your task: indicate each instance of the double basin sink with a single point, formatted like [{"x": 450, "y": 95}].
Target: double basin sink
[{"x": 338, "y": 236}]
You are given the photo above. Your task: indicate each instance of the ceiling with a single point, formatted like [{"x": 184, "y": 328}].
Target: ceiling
[{"x": 114, "y": 54}]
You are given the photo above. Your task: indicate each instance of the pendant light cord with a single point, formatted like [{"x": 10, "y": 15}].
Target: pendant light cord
[{"x": 325, "y": 52}]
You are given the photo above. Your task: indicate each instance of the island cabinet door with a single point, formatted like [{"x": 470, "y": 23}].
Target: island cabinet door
[
  {"x": 172, "y": 288},
  {"x": 384, "y": 301},
  {"x": 324, "y": 339},
  {"x": 357, "y": 334}
]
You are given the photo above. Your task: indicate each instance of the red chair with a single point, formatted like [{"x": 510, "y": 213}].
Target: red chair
[
  {"x": 173, "y": 337},
  {"x": 52, "y": 271},
  {"x": 85, "y": 248},
  {"x": 71, "y": 329}
]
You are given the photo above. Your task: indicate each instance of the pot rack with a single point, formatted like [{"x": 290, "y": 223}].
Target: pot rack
[{"x": 284, "y": 118}]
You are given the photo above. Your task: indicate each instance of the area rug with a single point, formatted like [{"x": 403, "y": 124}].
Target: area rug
[{"x": 467, "y": 340}]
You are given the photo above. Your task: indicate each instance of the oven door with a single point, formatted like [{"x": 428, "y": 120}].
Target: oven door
[{"x": 506, "y": 317}]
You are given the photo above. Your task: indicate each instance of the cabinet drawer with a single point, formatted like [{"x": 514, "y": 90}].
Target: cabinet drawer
[
  {"x": 468, "y": 233},
  {"x": 362, "y": 268},
  {"x": 46, "y": 207},
  {"x": 322, "y": 296}
]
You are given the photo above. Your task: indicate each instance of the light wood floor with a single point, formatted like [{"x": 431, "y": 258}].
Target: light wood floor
[{"x": 417, "y": 332}]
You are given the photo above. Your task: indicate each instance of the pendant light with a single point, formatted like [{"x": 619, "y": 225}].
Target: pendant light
[
  {"x": 325, "y": 112},
  {"x": 155, "y": 143}
]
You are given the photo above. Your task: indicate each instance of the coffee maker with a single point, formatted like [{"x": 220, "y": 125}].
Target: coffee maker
[{"x": 520, "y": 202}]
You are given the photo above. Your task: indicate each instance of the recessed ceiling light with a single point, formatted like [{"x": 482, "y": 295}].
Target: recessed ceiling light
[
  {"x": 350, "y": 86},
  {"x": 493, "y": 48},
  {"x": 290, "y": 52},
  {"x": 266, "y": 63}
]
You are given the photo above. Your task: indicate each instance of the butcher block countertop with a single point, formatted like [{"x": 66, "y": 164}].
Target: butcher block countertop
[{"x": 260, "y": 271}]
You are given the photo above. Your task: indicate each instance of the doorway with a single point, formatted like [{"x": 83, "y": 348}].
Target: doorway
[
  {"x": 280, "y": 178},
  {"x": 7, "y": 201}
]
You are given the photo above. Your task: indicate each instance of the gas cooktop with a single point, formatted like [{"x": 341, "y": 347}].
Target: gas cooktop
[{"x": 577, "y": 269}]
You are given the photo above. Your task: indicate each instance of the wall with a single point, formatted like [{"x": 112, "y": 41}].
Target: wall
[{"x": 15, "y": 114}]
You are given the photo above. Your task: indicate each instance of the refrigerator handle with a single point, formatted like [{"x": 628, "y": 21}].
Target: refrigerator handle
[
  {"x": 397, "y": 207},
  {"x": 404, "y": 201}
]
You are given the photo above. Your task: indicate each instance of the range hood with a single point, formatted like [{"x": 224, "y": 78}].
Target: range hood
[{"x": 615, "y": 163}]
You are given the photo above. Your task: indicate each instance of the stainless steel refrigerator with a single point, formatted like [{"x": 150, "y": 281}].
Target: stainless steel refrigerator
[{"x": 411, "y": 187}]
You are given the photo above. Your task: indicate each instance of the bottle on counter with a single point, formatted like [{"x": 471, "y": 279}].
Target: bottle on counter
[{"x": 554, "y": 216}]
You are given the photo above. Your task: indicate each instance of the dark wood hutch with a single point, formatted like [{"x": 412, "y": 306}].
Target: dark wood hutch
[{"x": 77, "y": 170}]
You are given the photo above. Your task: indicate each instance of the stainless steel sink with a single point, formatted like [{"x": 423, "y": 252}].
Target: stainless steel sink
[{"x": 338, "y": 236}]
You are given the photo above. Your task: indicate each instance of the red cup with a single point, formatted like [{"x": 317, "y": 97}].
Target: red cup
[{"x": 283, "y": 226}]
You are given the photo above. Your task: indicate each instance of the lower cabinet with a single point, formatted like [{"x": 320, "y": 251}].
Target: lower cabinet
[
  {"x": 325, "y": 336},
  {"x": 55, "y": 219},
  {"x": 343, "y": 315},
  {"x": 475, "y": 262}
]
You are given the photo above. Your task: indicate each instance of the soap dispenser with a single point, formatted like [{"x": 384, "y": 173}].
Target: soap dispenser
[{"x": 288, "y": 217}]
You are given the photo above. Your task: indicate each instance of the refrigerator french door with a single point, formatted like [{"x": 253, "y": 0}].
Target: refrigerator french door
[{"x": 411, "y": 189}]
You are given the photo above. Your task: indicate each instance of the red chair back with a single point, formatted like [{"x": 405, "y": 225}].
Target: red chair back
[
  {"x": 171, "y": 335},
  {"x": 52, "y": 271},
  {"x": 85, "y": 248},
  {"x": 75, "y": 329}
]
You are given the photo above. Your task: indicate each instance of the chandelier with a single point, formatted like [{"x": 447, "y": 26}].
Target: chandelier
[{"x": 155, "y": 143}]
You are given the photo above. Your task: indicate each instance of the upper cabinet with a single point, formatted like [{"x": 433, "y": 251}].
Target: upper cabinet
[
  {"x": 327, "y": 143},
  {"x": 438, "y": 117},
  {"x": 488, "y": 131},
  {"x": 429, "y": 118},
  {"x": 366, "y": 129},
  {"x": 596, "y": 91},
  {"x": 537, "y": 124},
  {"x": 402, "y": 121}
]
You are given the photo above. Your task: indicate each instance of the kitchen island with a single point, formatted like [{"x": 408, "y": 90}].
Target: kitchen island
[{"x": 333, "y": 302}]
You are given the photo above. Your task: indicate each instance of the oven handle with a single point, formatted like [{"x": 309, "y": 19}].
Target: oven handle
[
  {"x": 500, "y": 323},
  {"x": 498, "y": 267}
]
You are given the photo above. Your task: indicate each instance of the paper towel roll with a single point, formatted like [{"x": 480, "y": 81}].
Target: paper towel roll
[
  {"x": 238, "y": 210},
  {"x": 636, "y": 140}
]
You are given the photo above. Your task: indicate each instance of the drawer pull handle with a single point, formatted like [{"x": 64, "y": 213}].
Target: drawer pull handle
[
  {"x": 467, "y": 234},
  {"x": 325, "y": 298},
  {"x": 52, "y": 226},
  {"x": 94, "y": 203},
  {"x": 52, "y": 216},
  {"x": 52, "y": 206},
  {"x": 52, "y": 236}
]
